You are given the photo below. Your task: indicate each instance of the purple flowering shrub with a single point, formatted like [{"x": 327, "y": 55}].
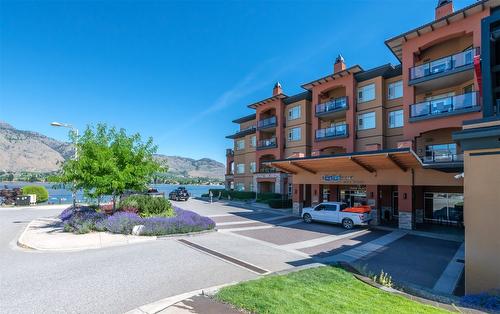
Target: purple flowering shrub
[
  {"x": 483, "y": 300},
  {"x": 81, "y": 219},
  {"x": 86, "y": 219},
  {"x": 122, "y": 222},
  {"x": 184, "y": 221}
]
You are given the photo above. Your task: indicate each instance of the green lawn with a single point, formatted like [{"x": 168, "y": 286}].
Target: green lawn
[{"x": 317, "y": 290}]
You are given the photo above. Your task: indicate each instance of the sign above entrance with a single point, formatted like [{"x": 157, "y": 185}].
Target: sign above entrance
[{"x": 337, "y": 178}]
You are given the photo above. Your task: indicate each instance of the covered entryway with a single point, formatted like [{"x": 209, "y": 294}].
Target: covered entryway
[{"x": 388, "y": 180}]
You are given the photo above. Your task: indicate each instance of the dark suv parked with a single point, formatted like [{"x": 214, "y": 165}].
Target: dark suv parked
[{"x": 179, "y": 194}]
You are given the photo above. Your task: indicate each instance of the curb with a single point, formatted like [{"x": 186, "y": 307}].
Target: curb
[
  {"x": 20, "y": 241},
  {"x": 160, "y": 305}
]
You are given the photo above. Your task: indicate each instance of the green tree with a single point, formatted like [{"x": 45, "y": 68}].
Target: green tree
[{"x": 110, "y": 162}]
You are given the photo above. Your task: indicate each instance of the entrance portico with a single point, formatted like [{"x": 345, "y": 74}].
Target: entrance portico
[{"x": 394, "y": 182}]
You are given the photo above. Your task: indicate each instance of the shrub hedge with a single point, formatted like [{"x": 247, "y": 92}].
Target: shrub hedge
[
  {"x": 42, "y": 195},
  {"x": 244, "y": 195},
  {"x": 147, "y": 206}
]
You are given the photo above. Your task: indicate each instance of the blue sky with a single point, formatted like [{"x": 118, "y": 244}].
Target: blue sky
[{"x": 180, "y": 71}]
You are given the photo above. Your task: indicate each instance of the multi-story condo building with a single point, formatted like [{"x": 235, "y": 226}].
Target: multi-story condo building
[{"x": 381, "y": 136}]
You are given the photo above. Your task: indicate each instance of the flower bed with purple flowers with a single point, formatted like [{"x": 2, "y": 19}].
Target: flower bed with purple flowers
[{"x": 86, "y": 219}]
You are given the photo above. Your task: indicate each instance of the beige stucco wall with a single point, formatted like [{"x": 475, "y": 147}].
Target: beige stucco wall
[{"x": 482, "y": 217}]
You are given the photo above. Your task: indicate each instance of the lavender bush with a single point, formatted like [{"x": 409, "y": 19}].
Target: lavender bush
[
  {"x": 486, "y": 301},
  {"x": 85, "y": 219},
  {"x": 81, "y": 220}
]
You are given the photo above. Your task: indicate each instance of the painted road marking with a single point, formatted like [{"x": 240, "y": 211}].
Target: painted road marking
[
  {"x": 225, "y": 257},
  {"x": 452, "y": 273}
]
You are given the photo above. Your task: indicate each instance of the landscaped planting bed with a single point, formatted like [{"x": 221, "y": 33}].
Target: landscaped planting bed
[
  {"x": 318, "y": 290},
  {"x": 156, "y": 222}
]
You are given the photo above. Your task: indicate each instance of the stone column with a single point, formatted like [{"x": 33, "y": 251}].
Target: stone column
[
  {"x": 372, "y": 199},
  {"x": 405, "y": 204},
  {"x": 298, "y": 199},
  {"x": 315, "y": 194}
]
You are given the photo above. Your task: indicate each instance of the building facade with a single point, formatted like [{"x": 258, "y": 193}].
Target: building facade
[{"x": 380, "y": 136}]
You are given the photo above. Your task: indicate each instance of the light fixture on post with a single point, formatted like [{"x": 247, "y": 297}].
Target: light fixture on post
[{"x": 75, "y": 141}]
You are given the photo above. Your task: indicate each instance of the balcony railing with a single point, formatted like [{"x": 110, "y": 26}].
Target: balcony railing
[
  {"x": 267, "y": 143},
  {"x": 269, "y": 122},
  {"x": 445, "y": 105},
  {"x": 445, "y": 64},
  {"x": 332, "y": 132},
  {"x": 332, "y": 105},
  {"x": 439, "y": 156}
]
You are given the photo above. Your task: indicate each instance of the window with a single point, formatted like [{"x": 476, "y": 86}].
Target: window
[
  {"x": 253, "y": 167},
  {"x": 366, "y": 93},
  {"x": 251, "y": 187},
  {"x": 441, "y": 153},
  {"x": 240, "y": 168},
  {"x": 290, "y": 190},
  {"x": 240, "y": 144},
  {"x": 469, "y": 89},
  {"x": 294, "y": 113},
  {"x": 396, "y": 119},
  {"x": 294, "y": 134},
  {"x": 253, "y": 141},
  {"x": 395, "y": 90},
  {"x": 444, "y": 207},
  {"x": 239, "y": 187},
  {"x": 367, "y": 121}
]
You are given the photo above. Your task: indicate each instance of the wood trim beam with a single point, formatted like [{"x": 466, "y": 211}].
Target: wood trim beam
[
  {"x": 366, "y": 167},
  {"x": 302, "y": 167},
  {"x": 282, "y": 168},
  {"x": 396, "y": 162}
]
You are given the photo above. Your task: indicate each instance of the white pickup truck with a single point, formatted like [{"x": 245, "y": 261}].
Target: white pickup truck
[{"x": 338, "y": 212}]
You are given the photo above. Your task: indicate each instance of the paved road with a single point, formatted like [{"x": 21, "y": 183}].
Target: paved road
[
  {"x": 112, "y": 280},
  {"x": 248, "y": 244}
]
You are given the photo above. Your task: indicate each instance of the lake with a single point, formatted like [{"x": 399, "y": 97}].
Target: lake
[{"x": 63, "y": 196}]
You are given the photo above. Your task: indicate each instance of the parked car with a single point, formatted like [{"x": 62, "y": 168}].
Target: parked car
[
  {"x": 179, "y": 194},
  {"x": 337, "y": 212}
]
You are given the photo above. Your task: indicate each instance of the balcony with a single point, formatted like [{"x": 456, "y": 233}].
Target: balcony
[
  {"x": 267, "y": 143},
  {"x": 444, "y": 72},
  {"x": 445, "y": 106},
  {"x": 330, "y": 133},
  {"x": 446, "y": 161},
  {"x": 242, "y": 132},
  {"x": 267, "y": 123},
  {"x": 333, "y": 108}
]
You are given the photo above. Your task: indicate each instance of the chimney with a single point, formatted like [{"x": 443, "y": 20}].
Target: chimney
[
  {"x": 339, "y": 64},
  {"x": 444, "y": 8},
  {"x": 277, "y": 89}
]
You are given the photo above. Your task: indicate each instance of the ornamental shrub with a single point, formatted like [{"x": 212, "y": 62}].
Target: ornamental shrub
[
  {"x": 147, "y": 206},
  {"x": 122, "y": 222},
  {"x": 81, "y": 221},
  {"x": 183, "y": 222},
  {"x": 42, "y": 195}
]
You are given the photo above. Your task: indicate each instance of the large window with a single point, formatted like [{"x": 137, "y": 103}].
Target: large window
[
  {"x": 240, "y": 168},
  {"x": 240, "y": 144},
  {"x": 444, "y": 207},
  {"x": 366, "y": 93},
  {"x": 294, "y": 113},
  {"x": 441, "y": 153},
  {"x": 367, "y": 121},
  {"x": 395, "y": 90},
  {"x": 253, "y": 141},
  {"x": 294, "y": 134},
  {"x": 396, "y": 119},
  {"x": 253, "y": 167},
  {"x": 239, "y": 187}
]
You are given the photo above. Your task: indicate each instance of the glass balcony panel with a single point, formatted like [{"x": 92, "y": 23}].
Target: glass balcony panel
[
  {"x": 332, "y": 105},
  {"x": 444, "y": 64},
  {"x": 444, "y": 105}
]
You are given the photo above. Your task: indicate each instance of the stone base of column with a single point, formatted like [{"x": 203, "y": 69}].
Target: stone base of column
[
  {"x": 405, "y": 220},
  {"x": 419, "y": 216},
  {"x": 297, "y": 209},
  {"x": 375, "y": 217}
]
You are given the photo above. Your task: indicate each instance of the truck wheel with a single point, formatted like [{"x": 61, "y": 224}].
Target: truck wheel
[
  {"x": 347, "y": 224},
  {"x": 307, "y": 218}
]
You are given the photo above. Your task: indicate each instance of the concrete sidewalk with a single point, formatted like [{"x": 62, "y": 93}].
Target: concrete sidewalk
[{"x": 46, "y": 234}]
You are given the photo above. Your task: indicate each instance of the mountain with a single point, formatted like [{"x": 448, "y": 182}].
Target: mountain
[{"x": 33, "y": 152}]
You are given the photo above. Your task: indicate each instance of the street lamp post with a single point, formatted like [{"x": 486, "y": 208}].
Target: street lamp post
[{"x": 75, "y": 157}]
